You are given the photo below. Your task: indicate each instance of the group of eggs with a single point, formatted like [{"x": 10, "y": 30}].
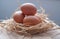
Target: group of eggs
[{"x": 27, "y": 15}]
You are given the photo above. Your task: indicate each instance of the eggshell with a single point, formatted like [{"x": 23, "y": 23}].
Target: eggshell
[
  {"x": 28, "y": 9},
  {"x": 38, "y": 15},
  {"x": 31, "y": 20},
  {"x": 18, "y": 17}
]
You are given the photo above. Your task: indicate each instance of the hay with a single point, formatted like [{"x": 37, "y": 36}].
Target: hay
[{"x": 20, "y": 28}]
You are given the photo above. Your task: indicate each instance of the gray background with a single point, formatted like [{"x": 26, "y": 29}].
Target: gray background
[{"x": 52, "y": 8}]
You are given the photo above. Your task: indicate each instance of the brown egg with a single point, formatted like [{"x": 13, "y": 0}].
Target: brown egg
[
  {"x": 31, "y": 20},
  {"x": 28, "y": 9},
  {"x": 18, "y": 17},
  {"x": 38, "y": 15}
]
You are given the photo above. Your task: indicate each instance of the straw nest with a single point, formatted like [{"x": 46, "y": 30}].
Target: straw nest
[{"x": 21, "y": 29}]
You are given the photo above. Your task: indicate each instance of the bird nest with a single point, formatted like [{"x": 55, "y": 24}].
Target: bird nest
[{"x": 20, "y": 28}]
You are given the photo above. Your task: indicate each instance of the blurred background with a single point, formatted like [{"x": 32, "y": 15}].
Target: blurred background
[{"x": 52, "y": 7}]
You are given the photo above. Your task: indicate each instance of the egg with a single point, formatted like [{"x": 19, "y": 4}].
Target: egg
[
  {"x": 31, "y": 20},
  {"x": 18, "y": 17},
  {"x": 28, "y": 9},
  {"x": 38, "y": 15}
]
